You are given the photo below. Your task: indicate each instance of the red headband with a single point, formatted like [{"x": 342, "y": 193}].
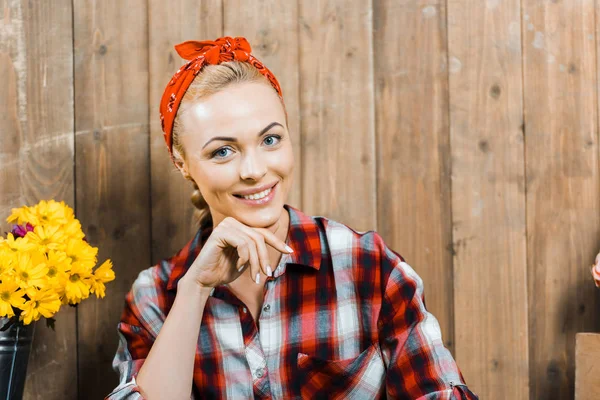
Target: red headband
[{"x": 200, "y": 54}]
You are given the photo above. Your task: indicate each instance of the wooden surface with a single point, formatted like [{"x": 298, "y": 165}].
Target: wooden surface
[
  {"x": 36, "y": 155},
  {"x": 563, "y": 187},
  {"x": 337, "y": 111},
  {"x": 465, "y": 133},
  {"x": 587, "y": 366},
  {"x": 488, "y": 197},
  {"x": 112, "y": 167},
  {"x": 413, "y": 148}
]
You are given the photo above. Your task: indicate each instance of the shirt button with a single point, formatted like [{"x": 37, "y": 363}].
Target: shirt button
[
  {"x": 267, "y": 307},
  {"x": 260, "y": 372}
]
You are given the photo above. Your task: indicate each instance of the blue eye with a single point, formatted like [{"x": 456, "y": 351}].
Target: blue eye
[
  {"x": 219, "y": 151},
  {"x": 273, "y": 136}
]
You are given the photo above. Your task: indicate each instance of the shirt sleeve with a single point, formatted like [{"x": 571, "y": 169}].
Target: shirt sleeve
[
  {"x": 128, "y": 362},
  {"x": 140, "y": 323},
  {"x": 418, "y": 365}
]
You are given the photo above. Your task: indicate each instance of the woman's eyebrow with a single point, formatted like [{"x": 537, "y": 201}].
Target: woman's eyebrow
[{"x": 232, "y": 139}]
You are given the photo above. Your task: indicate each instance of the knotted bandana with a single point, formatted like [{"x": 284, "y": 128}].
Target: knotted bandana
[{"x": 200, "y": 54}]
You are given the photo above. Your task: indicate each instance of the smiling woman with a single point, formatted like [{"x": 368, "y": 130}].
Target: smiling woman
[
  {"x": 209, "y": 115},
  {"x": 265, "y": 301},
  {"x": 235, "y": 142}
]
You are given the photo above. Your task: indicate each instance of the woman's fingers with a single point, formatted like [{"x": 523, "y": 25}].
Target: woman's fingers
[
  {"x": 247, "y": 249},
  {"x": 261, "y": 249},
  {"x": 231, "y": 235},
  {"x": 274, "y": 241},
  {"x": 251, "y": 246}
]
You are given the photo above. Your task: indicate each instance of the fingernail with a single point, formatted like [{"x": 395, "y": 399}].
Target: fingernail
[
  {"x": 257, "y": 278},
  {"x": 269, "y": 271},
  {"x": 288, "y": 248},
  {"x": 241, "y": 268}
]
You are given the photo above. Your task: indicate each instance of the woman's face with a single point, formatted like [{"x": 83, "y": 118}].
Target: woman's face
[{"x": 235, "y": 141}]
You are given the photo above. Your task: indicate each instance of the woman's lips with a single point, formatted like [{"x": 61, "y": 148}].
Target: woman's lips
[
  {"x": 262, "y": 201},
  {"x": 259, "y": 189}
]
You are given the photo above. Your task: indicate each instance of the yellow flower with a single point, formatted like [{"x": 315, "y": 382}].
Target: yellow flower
[
  {"x": 21, "y": 215},
  {"x": 18, "y": 244},
  {"x": 98, "y": 288},
  {"x": 7, "y": 260},
  {"x": 81, "y": 253},
  {"x": 77, "y": 285},
  {"x": 73, "y": 230},
  {"x": 41, "y": 303},
  {"x": 58, "y": 264},
  {"x": 45, "y": 212},
  {"x": 68, "y": 212},
  {"x": 47, "y": 237},
  {"x": 31, "y": 270},
  {"x": 10, "y": 296},
  {"x": 49, "y": 212},
  {"x": 102, "y": 274}
]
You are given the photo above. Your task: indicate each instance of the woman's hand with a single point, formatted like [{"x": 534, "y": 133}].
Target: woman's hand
[{"x": 230, "y": 249}]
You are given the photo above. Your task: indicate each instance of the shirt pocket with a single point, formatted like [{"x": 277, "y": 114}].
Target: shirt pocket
[{"x": 361, "y": 377}]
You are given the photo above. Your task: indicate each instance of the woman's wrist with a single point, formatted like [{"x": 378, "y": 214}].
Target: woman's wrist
[{"x": 190, "y": 286}]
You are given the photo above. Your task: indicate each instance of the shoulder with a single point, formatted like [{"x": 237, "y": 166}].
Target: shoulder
[
  {"x": 367, "y": 248},
  {"x": 148, "y": 301},
  {"x": 156, "y": 285}
]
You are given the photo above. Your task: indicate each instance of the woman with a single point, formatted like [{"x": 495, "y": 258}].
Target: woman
[{"x": 265, "y": 301}]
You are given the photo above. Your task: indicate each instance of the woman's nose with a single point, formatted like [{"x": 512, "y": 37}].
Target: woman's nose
[{"x": 252, "y": 167}]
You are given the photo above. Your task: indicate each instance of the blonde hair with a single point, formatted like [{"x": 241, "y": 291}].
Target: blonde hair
[{"x": 212, "y": 79}]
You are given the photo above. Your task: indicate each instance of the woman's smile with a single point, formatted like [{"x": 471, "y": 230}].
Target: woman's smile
[{"x": 260, "y": 198}]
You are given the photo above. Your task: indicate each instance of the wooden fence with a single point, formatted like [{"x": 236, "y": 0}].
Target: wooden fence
[{"x": 465, "y": 132}]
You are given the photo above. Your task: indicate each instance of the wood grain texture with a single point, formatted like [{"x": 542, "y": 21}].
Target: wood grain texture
[
  {"x": 337, "y": 112},
  {"x": 36, "y": 156},
  {"x": 587, "y": 366},
  {"x": 171, "y": 23},
  {"x": 112, "y": 169},
  {"x": 488, "y": 197},
  {"x": 465, "y": 132},
  {"x": 274, "y": 42},
  {"x": 413, "y": 149},
  {"x": 563, "y": 190},
  {"x": 10, "y": 134}
]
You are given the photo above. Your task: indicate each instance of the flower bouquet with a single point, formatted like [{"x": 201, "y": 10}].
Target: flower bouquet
[{"x": 45, "y": 263}]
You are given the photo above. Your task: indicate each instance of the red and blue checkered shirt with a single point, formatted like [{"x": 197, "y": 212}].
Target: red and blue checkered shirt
[{"x": 343, "y": 317}]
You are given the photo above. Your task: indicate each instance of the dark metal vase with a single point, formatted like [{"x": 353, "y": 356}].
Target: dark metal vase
[{"x": 15, "y": 346}]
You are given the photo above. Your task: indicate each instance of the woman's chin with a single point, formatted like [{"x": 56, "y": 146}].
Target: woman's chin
[{"x": 263, "y": 217}]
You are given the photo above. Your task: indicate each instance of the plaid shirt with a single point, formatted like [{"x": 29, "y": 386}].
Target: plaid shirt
[{"x": 343, "y": 317}]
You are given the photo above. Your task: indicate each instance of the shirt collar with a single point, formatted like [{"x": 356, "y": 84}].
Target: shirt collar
[{"x": 303, "y": 237}]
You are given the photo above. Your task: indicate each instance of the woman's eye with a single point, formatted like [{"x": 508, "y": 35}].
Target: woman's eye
[
  {"x": 272, "y": 137},
  {"x": 270, "y": 141},
  {"x": 221, "y": 153}
]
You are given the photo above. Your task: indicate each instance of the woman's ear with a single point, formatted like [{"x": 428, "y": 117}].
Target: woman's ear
[{"x": 180, "y": 164}]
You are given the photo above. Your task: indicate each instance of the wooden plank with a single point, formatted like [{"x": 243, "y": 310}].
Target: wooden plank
[
  {"x": 587, "y": 366},
  {"x": 274, "y": 42},
  {"x": 10, "y": 135},
  {"x": 36, "y": 156},
  {"x": 488, "y": 197},
  {"x": 562, "y": 186},
  {"x": 413, "y": 149},
  {"x": 112, "y": 168},
  {"x": 172, "y": 210},
  {"x": 337, "y": 111}
]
